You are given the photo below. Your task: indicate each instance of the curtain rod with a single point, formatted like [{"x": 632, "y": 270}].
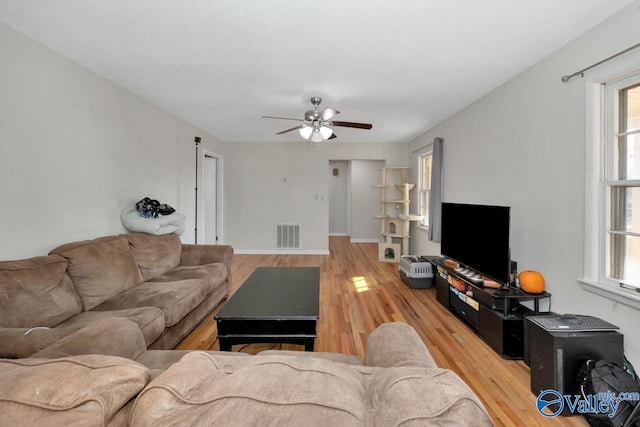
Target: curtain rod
[
  {"x": 421, "y": 148},
  {"x": 426, "y": 145},
  {"x": 581, "y": 72}
]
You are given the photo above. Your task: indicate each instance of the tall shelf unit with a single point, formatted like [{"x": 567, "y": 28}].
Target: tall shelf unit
[{"x": 394, "y": 213}]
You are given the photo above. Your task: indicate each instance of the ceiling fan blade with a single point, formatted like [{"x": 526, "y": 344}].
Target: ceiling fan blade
[
  {"x": 328, "y": 113},
  {"x": 289, "y": 130},
  {"x": 282, "y": 118},
  {"x": 333, "y": 136},
  {"x": 352, "y": 125}
]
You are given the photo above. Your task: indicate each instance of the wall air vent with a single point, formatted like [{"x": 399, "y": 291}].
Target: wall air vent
[{"x": 287, "y": 236}]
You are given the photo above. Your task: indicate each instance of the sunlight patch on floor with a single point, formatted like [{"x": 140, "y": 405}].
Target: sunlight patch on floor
[{"x": 360, "y": 284}]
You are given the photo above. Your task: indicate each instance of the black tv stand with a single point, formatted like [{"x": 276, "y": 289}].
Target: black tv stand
[{"x": 495, "y": 314}]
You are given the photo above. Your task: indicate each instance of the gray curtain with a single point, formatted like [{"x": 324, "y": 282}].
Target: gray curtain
[{"x": 435, "y": 200}]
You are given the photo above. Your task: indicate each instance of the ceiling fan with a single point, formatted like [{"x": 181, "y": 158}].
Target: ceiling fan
[{"x": 316, "y": 123}]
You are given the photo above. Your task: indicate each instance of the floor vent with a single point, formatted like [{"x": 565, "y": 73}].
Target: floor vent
[{"x": 287, "y": 236}]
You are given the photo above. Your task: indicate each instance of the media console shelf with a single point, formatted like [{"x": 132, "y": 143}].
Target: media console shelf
[{"x": 496, "y": 314}]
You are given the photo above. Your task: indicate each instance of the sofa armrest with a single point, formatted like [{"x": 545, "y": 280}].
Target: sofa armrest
[
  {"x": 397, "y": 344},
  {"x": 19, "y": 343},
  {"x": 207, "y": 254},
  {"x": 112, "y": 336}
]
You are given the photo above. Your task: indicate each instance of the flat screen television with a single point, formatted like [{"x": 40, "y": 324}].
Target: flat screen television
[{"x": 477, "y": 236}]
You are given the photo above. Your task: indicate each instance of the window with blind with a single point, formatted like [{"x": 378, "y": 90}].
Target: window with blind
[
  {"x": 620, "y": 206},
  {"x": 425, "y": 188}
]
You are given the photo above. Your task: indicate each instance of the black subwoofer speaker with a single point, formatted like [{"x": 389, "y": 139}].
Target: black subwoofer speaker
[
  {"x": 527, "y": 334},
  {"x": 556, "y": 357}
]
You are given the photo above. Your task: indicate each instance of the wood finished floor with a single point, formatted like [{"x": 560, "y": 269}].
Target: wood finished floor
[{"x": 358, "y": 293}]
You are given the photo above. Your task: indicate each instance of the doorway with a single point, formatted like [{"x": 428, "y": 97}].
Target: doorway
[
  {"x": 339, "y": 200},
  {"x": 365, "y": 200},
  {"x": 354, "y": 199},
  {"x": 212, "y": 193}
]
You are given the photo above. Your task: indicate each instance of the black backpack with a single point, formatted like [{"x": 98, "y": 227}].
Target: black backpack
[{"x": 603, "y": 378}]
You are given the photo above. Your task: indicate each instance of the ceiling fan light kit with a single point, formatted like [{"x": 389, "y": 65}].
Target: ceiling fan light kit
[
  {"x": 326, "y": 132},
  {"x": 316, "y": 137},
  {"x": 317, "y": 122},
  {"x": 305, "y": 132}
]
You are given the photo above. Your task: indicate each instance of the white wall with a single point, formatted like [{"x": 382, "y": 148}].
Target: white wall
[
  {"x": 76, "y": 149},
  {"x": 522, "y": 145},
  {"x": 256, "y": 198}
]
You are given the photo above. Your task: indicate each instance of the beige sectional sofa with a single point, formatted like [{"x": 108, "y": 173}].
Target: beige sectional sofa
[
  {"x": 162, "y": 285},
  {"x": 397, "y": 383}
]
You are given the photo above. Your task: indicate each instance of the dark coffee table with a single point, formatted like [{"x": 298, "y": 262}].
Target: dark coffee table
[{"x": 275, "y": 304}]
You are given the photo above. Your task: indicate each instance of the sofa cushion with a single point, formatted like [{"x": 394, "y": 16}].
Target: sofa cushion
[
  {"x": 213, "y": 275},
  {"x": 100, "y": 268},
  {"x": 159, "y": 361},
  {"x": 16, "y": 343},
  {"x": 349, "y": 359},
  {"x": 80, "y": 390},
  {"x": 175, "y": 299},
  {"x": 112, "y": 336},
  {"x": 150, "y": 320},
  {"x": 287, "y": 390},
  {"x": 155, "y": 254},
  {"x": 36, "y": 292}
]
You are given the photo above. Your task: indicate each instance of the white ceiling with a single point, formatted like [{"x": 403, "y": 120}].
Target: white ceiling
[{"x": 403, "y": 65}]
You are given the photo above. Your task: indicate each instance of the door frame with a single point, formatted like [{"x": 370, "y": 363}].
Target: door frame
[{"x": 219, "y": 195}]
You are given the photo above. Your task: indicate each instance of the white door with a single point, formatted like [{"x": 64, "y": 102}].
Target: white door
[{"x": 210, "y": 177}]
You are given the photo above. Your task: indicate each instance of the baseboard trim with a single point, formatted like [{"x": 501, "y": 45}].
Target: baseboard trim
[
  {"x": 281, "y": 252},
  {"x": 365, "y": 241}
]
